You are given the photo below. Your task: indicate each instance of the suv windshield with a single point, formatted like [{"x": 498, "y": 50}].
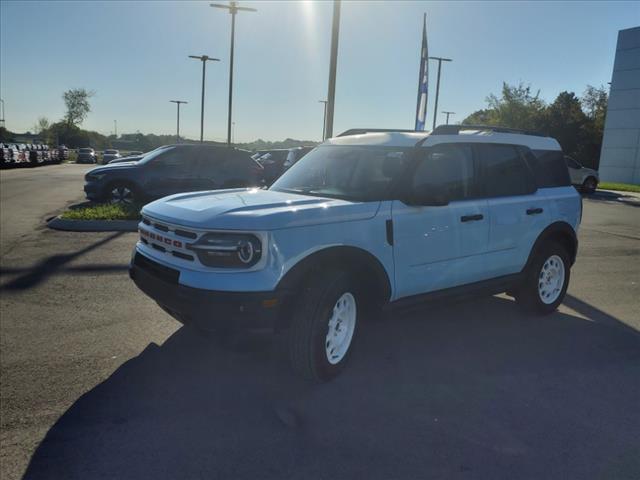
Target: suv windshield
[{"x": 360, "y": 173}]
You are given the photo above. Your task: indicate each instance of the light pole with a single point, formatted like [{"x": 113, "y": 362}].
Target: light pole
[
  {"x": 233, "y": 10},
  {"x": 115, "y": 128},
  {"x": 178, "y": 102},
  {"x": 203, "y": 59},
  {"x": 333, "y": 64},
  {"x": 448, "y": 113},
  {"x": 324, "y": 120},
  {"x": 233, "y": 132},
  {"x": 435, "y": 108},
  {"x": 2, "y": 117}
]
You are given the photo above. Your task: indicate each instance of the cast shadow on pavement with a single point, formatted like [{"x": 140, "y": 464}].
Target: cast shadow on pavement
[
  {"x": 474, "y": 389},
  {"x": 33, "y": 276}
]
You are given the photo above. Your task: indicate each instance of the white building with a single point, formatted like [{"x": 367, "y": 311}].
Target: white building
[{"x": 620, "y": 156}]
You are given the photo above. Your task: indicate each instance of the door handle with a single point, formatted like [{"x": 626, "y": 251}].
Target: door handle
[
  {"x": 471, "y": 218},
  {"x": 534, "y": 211}
]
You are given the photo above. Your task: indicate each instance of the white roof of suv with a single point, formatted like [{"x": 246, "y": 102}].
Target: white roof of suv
[{"x": 409, "y": 139}]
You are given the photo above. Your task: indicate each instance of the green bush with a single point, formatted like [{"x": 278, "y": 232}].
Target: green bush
[{"x": 103, "y": 212}]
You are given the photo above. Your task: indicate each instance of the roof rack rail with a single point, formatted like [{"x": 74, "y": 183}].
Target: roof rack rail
[
  {"x": 361, "y": 131},
  {"x": 455, "y": 130}
]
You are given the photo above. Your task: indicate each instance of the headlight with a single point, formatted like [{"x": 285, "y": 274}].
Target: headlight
[
  {"x": 94, "y": 177},
  {"x": 228, "y": 250}
]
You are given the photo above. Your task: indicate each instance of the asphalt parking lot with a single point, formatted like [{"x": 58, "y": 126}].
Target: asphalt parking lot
[{"x": 98, "y": 382}]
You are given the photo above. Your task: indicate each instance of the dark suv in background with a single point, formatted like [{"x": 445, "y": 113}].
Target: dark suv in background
[
  {"x": 173, "y": 169},
  {"x": 87, "y": 155}
]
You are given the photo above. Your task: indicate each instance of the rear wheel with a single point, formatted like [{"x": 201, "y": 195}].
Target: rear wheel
[
  {"x": 589, "y": 185},
  {"x": 324, "y": 325},
  {"x": 546, "y": 280}
]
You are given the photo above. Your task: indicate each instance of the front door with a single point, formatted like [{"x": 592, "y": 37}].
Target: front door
[{"x": 433, "y": 245}]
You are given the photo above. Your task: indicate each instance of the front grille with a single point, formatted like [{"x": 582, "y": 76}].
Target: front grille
[
  {"x": 158, "y": 247},
  {"x": 160, "y": 271},
  {"x": 184, "y": 233}
]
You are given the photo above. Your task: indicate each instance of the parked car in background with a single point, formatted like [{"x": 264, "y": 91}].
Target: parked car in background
[
  {"x": 272, "y": 162},
  {"x": 584, "y": 179},
  {"x": 87, "y": 155},
  {"x": 109, "y": 155},
  {"x": 294, "y": 155},
  {"x": 34, "y": 155},
  {"x": 134, "y": 153},
  {"x": 6, "y": 159},
  {"x": 173, "y": 169},
  {"x": 63, "y": 153},
  {"x": 23, "y": 154}
]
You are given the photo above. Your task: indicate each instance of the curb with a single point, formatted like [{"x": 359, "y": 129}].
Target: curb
[{"x": 57, "y": 223}]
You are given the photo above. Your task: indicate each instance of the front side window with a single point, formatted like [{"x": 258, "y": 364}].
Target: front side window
[
  {"x": 446, "y": 170},
  {"x": 572, "y": 163},
  {"x": 505, "y": 172},
  {"x": 358, "y": 173}
]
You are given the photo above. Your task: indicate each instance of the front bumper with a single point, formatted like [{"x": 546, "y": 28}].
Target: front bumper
[
  {"x": 93, "y": 191},
  {"x": 207, "y": 309}
]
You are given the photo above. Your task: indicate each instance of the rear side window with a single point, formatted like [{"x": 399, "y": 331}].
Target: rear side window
[
  {"x": 504, "y": 171},
  {"x": 447, "y": 169},
  {"x": 549, "y": 167}
]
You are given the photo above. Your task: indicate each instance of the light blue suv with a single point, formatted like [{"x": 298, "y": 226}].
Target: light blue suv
[{"x": 367, "y": 220}]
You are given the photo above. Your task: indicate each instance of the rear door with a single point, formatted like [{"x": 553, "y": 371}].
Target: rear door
[
  {"x": 216, "y": 168},
  {"x": 516, "y": 207},
  {"x": 171, "y": 172},
  {"x": 437, "y": 247}
]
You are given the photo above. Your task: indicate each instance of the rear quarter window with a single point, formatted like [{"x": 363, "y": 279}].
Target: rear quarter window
[
  {"x": 505, "y": 172},
  {"x": 549, "y": 167}
]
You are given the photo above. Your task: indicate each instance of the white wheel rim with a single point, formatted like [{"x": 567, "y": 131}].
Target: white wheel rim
[
  {"x": 342, "y": 324},
  {"x": 121, "y": 195},
  {"x": 551, "y": 279}
]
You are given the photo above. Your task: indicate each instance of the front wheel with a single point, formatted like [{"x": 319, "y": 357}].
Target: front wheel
[
  {"x": 122, "y": 194},
  {"x": 323, "y": 326},
  {"x": 546, "y": 280}
]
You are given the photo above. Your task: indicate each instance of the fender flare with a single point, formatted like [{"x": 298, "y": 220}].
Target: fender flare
[
  {"x": 352, "y": 257},
  {"x": 560, "y": 231}
]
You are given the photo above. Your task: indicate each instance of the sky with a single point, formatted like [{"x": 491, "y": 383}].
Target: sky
[{"x": 134, "y": 56}]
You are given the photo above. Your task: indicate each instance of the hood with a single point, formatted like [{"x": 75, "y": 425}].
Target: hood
[
  {"x": 111, "y": 167},
  {"x": 253, "y": 209}
]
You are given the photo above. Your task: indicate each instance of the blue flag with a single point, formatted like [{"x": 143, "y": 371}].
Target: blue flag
[{"x": 421, "y": 107}]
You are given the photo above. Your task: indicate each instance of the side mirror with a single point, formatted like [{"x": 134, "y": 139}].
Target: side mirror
[{"x": 427, "y": 197}]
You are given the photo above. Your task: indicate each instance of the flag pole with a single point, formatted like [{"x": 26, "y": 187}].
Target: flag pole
[{"x": 423, "y": 77}]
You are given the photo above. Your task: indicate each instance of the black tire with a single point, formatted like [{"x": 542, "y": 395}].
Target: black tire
[
  {"x": 589, "y": 185},
  {"x": 310, "y": 324},
  {"x": 528, "y": 294},
  {"x": 123, "y": 187}
]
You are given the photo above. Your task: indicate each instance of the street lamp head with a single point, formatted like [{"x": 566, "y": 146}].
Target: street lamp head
[
  {"x": 232, "y": 7},
  {"x": 178, "y": 101},
  {"x": 204, "y": 58}
]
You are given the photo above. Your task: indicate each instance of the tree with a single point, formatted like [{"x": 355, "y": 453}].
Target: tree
[
  {"x": 566, "y": 122},
  {"x": 594, "y": 101},
  {"x": 516, "y": 107},
  {"x": 41, "y": 128},
  {"x": 77, "y": 103},
  {"x": 41, "y": 125}
]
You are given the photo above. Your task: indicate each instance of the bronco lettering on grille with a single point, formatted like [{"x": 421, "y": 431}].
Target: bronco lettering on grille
[{"x": 160, "y": 238}]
